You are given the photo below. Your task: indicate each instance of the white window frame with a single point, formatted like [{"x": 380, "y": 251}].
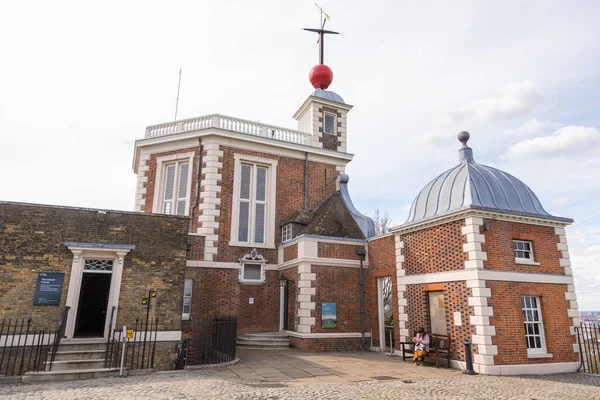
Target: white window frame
[
  {"x": 271, "y": 195},
  {"x": 184, "y": 315},
  {"x": 252, "y": 281},
  {"x": 535, "y": 351},
  {"x": 334, "y": 115},
  {"x": 527, "y": 261},
  {"x": 159, "y": 183},
  {"x": 286, "y": 233}
]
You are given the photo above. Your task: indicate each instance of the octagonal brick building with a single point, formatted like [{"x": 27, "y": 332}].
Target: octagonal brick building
[{"x": 480, "y": 259}]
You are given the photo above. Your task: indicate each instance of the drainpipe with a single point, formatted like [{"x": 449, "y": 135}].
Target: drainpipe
[
  {"x": 360, "y": 252},
  {"x": 198, "y": 179},
  {"x": 305, "y": 194}
]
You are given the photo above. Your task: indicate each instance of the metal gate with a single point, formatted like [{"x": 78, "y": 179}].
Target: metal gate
[{"x": 588, "y": 335}]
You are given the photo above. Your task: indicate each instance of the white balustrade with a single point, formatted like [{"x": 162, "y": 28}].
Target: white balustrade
[{"x": 226, "y": 123}]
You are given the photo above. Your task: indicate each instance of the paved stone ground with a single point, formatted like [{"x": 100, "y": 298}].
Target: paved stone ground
[{"x": 331, "y": 376}]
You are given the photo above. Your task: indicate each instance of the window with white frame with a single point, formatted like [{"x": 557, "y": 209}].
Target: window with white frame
[
  {"x": 175, "y": 198},
  {"x": 523, "y": 251},
  {"x": 534, "y": 329},
  {"x": 252, "y": 214},
  {"x": 187, "y": 299},
  {"x": 286, "y": 232},
  {"x": 252, "y": 273},
  {"x": 329, "y": 123}
]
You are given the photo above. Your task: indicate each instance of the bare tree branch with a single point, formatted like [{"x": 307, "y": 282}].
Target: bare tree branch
[{"x": 383, "y": 222}]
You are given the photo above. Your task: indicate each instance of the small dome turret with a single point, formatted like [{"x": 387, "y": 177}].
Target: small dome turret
[{"x": 472, "y": 185}]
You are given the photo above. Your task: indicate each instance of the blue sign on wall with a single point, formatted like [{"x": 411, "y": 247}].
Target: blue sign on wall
[
  {"x": 328, "y": 315},
  {"x": 49, "y": 288}
]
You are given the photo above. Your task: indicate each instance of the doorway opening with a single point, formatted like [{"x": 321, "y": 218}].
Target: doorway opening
[
  {"x": 437, "y": 313},
  {"x": 385, "y": 313},
  {"x": 93, "y": 298}
]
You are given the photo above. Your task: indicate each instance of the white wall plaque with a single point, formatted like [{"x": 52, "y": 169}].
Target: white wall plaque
[
  {"x": 251, "y": 300},
  {"x": 457, "y": 318}
]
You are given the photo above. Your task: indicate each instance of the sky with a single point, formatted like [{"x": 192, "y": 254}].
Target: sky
[{"x": 79, "y": 81}]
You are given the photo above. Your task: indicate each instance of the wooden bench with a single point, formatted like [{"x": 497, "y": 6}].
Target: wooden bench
[{"x": 439, "y": 347}]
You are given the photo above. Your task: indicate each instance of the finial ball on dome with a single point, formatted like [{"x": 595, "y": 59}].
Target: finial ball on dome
[{"x": 464, "y": 137}]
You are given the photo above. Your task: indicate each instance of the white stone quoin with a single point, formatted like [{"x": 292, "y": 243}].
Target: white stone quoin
[
  {"x": 210, "y": 189},
  {"x": 402, "y": 300}
]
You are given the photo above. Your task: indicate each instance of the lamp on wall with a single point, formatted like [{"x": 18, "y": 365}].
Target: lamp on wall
[{"x": 282, "y": 281}]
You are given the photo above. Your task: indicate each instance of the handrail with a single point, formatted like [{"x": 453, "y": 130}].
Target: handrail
[
  {"x": 110, "y": 324},
  {"x": 227, "y": 123}
]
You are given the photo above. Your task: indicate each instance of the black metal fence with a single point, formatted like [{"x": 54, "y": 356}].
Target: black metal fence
[
  {"x": 24, "y": 349},
  {"x": 139, "y": 350},
  {"x": 588, "y": 336},
  {"x": 210, "y": 340}
]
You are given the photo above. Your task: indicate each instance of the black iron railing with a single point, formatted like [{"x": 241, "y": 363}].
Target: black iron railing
[
  {"x": 588, "y": 340},
  {"x": 60, "y": 333},
  {"x": 24, "y": 349},
  {"x": 139, "y": 350},
  {"x": 211, "y": 340}
]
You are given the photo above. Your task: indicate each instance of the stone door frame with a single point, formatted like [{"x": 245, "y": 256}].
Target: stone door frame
[{"x": 82, "y": 251}]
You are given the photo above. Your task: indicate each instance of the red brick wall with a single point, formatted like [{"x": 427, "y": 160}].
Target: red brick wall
[
  {"x": 216, "y": 291},
  {"x": 337, "y": 250},
  {"x": 290, "y": 187},
  {"x": 435, "y": 249},
  {"x": 195, "y": 248},
  {"x": 382, "y": 262},
  {"x": 290, "y": 253},
  {"x": 499, "y": 247},
  {"x": 333, "y": 344},
  {"x": 338, "y": 285},
  {"x": 508, "y": 320},
  {"x": 455, "y": 300}
]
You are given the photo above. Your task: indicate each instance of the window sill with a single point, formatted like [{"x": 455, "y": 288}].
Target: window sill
[
  {"x": 538, "y": 355},
  {"x": 525, "y": 261},
  {"x": 258, "y": 246},
  {"x": 185, "y": 318},
  {"x": 252, "y": 282}
]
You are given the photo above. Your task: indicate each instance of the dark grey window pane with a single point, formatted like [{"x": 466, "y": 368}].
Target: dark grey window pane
[
  {"x": 538, "y": 342},
  {"x": 329, "y": 123},
  {"x": 252, "y": 272},
  {"x": 245, "y": 184},
  {"x": 243, "y": 222},
  {"x": 259, "y": 224},
  {"x": 261, "y": 184}
]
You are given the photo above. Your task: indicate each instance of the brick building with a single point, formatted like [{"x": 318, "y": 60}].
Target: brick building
[{"x": 270, "y": 235}]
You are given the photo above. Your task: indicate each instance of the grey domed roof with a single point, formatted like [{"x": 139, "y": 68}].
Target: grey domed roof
[
  {"x": 328, "y": 95},
  {"x": 472, "y": 185}
]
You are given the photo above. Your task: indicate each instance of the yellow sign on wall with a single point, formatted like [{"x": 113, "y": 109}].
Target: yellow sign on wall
[{"x": 129, "y": 334}]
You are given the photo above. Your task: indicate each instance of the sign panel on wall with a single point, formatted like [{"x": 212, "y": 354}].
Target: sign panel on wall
[
  {"x": 48, "y": 289},
  {"x": 328, "y": 315}
]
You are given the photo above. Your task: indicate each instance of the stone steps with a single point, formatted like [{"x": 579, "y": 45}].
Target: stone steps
[
  {"x": 264, "y": 341},
  {"x": 73, "y": 365},
  {"x": 75, "y": 360},
  {"x": 69, "y": 375}
]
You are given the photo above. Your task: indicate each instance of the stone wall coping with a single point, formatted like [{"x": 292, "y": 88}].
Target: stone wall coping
[{"x": 98, "y": 210}]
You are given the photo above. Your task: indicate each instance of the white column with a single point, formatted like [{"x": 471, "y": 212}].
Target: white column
[
  {"x": 305, "y": 293},
  {"x": 142, "y": 180},
  {"x": 481, "y": 321},
  {"x": 208, "y": 221},
  {"x": 474, "y": 240},
  {"x": 402, "y": 300}
]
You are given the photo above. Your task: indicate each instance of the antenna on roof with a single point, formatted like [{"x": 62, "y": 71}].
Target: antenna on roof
[{"x": 177, "y": 101}]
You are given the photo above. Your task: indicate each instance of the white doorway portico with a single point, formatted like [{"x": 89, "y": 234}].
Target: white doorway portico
[{"x": 94, "y": 288}]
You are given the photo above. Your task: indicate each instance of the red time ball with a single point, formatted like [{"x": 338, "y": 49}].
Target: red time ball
[{"x": 321, "y": 76}]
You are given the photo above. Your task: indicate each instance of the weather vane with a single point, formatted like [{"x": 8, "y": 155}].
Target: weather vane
[{"x": 322, "y": 32}]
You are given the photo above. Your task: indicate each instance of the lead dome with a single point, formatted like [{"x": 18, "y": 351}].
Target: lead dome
[{"x": 472, "y": 185}]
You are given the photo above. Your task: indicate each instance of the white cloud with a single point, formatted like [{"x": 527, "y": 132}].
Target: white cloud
[
  {"x": 533, "y": 127},
  {"x": 561, "y": 201},
  {"x": 514, "y": 100},
  {"x": 566, "y": 141}
]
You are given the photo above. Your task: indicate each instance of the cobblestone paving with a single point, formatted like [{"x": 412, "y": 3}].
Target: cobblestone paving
[{"x": 330, "y": 376}]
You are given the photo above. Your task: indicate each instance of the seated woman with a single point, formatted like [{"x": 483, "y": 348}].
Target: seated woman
[{"x": 421, "y": 342}]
